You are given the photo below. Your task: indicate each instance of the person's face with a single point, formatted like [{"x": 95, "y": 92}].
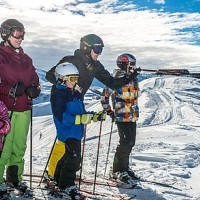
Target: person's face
[
  {"x": 70, "y": 84},
  {"x": 16, "y": 43},
  {"x": 16, "y": 37},
  {"x": 72, "y": 80}
]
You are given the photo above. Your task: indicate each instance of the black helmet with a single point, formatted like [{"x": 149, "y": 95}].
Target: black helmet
[
  {"x": 8, "y": 25},
  {"x": 126, "y": 60},
  {"x": 91, "y": 41}
]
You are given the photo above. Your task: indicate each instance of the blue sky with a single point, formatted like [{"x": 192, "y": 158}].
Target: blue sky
[
  {"x": 159, "y": 33},
  {"x": 171, "y": 6}
]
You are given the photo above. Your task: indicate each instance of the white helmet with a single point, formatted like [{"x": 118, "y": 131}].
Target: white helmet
[{"x": 65, "y": 69}]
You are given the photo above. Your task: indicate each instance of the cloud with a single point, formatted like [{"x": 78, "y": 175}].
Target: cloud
[
  {"x": 159, "y": 1},
  {"x": 54, "y": 29}
]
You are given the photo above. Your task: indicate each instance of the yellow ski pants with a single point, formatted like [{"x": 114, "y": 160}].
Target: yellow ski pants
[{"x": 56, "y": 155}]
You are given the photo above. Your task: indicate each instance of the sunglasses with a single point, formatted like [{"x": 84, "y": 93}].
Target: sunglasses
[
  {"x": 97, "y": 49},
  {"x": 17, "y": 33}
]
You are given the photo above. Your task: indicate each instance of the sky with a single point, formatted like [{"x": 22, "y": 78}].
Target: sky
[
  {"x": 159, "y": 33},
  {"x": 167, "y": 146}
]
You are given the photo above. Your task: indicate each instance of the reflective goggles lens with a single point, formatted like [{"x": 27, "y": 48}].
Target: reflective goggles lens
[
  {"x": 17, "y": 33},
  {"x": 132, "y": 63},
  {"x": 97, "y": 49},
  {"x": 72, "y": 79}
]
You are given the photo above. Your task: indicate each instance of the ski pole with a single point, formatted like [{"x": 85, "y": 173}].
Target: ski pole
[
  {"x": 48, "y": 161},
  {"x": 131, "y": 159},
  {"x": 108, "y": 147},
  {"x": 95, "y": 176},
  {"x": 83, "y": 150},
  {"x": 31, "y": 144}
]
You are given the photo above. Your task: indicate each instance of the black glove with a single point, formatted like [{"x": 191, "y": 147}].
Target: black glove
[
  {"x": 130, "y": 77},
  {"x": 110, "y": 112},
  {"x": 99, "y": 116},
  {"x": 138, "y": 69},
  {"x": 17, "y": 89},
  {"x": 32, "y": 91}
]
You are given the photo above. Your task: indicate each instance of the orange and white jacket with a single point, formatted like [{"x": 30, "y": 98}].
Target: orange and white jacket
[{"x": 124, "y": 99}]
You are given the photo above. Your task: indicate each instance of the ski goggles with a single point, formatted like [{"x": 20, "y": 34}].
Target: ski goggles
[
  {"x": 17, "y": 33},
  {"x": 132, "y": 63},
  {"x": 97, "y": 49},
  {"x": 72, "y": 78}
]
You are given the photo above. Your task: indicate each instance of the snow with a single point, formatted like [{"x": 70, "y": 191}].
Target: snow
[{"x": 167, "y": 149}]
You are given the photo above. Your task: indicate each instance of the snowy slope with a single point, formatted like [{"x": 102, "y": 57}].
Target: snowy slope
[{"x": 168, "y": 140}]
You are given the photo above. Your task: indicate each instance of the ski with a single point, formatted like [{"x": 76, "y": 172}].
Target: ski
[
  {"x": 160, "y": 184},
  {"x": 109, "y": 183},
  {"x": 103, "y": 194},
  {"x": 88, "y": 194},
  {"x": 114, "y": 183},
  {"x": 140, "y": 180}
]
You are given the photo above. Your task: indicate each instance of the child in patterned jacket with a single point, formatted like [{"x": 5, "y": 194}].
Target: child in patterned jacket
[{"x": 125, "y": 113}]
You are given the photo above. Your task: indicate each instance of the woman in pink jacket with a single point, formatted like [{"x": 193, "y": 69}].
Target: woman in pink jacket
[{"x": 19, "y": 84}]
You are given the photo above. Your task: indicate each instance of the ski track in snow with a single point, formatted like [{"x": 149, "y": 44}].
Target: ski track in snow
[{"x": 167, "y": 149}]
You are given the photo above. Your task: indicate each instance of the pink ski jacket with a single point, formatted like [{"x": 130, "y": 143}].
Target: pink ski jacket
[{"x": 4, "y": 123}]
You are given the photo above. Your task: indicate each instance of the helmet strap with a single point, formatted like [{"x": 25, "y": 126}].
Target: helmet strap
[
  {"x": 9, "y": 43},
  {"x": 61, "y": 81},
  {"x": 77, "y": 88}
]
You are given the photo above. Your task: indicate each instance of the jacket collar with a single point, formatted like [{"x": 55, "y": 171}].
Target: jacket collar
[{"x": 7, "y": 48}]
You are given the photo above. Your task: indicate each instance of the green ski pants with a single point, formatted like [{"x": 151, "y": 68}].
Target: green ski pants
[{"x": 14, "y": 148}]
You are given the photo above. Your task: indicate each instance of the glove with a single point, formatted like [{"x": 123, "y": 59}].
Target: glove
[
  {"x": 4, "y": 127},
  {"x": 17, "y": 89},
  {"x": 32, "y": 91},
  {"x": 100, "y": 116},
  {"x": 110, "y": 112},
  {"x": 138, "y": 70},
  {"x": 84, "y": 119},
  {"x": 132, "y": 76}
]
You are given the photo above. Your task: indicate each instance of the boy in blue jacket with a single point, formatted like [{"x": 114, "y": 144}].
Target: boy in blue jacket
[{"x": 70, "y": 117}]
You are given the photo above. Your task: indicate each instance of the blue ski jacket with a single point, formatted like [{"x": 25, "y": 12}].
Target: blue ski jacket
[{"x": 66, "y": 104}]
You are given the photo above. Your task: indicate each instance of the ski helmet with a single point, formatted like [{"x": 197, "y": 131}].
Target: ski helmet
[
  {"x": 8, "y": 26},
  {"x": 65, "y": 71},
  {"x": 91, "y": 41},
  {"x": 126, "y": 60}
]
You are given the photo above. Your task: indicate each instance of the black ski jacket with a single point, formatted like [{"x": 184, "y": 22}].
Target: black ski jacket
[{"x": 88, "y": 72}]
